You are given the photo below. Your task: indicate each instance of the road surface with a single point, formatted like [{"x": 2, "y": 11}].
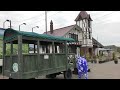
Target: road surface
[{"x": 107, "y": 70}]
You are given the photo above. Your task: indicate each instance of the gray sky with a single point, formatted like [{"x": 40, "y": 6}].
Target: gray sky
[{"x": 105, "y": 25}]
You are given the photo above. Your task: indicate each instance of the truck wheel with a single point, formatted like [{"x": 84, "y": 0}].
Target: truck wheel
[
  {"x": 32, "y": 78},
  {"x": 10, "y": 78},
  {"x": 68, "y": 74},
  {"x": 89, "y": 70},
  {"x": 47, "y": 76},
  {"x": 51, "y": 76},
  {"x": 75, "y": 71}
]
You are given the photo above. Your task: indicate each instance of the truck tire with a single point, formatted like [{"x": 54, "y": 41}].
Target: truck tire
[
  {"x": 89, "y": 70},
  {"x": 68, "y": 74},
  {"x": 75, "y": 71},
  {"x": 10, "y": 78},
  {"x": 52, "y": 76},
  {"x": 32, "y": 78}
]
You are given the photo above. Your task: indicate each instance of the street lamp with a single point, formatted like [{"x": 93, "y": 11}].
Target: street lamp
[
  {"x": 6, "y": 21},
  {"x": 35, "y": 27},
  {"x": 21, "y": 24}
]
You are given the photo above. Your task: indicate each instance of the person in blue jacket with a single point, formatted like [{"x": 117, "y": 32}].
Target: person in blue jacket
[{"x": 82, "y": 67}]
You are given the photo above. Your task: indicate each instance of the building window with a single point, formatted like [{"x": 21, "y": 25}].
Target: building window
[
  {"x": 89, "y": 23},
  {"x": 86, "y": 29},
  {"x": 74, "y": 36},
  {"x": 77, "y": 37},
  {"x": 69, "y": 35},
  {"x": 85, "y": 36},
  {"x": 89, "y": 35}
]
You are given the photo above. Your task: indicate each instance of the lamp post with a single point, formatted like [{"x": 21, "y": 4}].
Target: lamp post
[
  {"x": 21, "y": 24},
  {"x": 6, "y": 21},
  {"x": 35, "y": 27}
]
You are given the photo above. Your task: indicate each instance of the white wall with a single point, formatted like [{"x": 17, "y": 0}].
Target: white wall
[
  {"x": 88, "y": 41},
  {"x": 80, "y": 37},
  {"x": 96, "y": 51},
  {"x": 78, "y": 23}
]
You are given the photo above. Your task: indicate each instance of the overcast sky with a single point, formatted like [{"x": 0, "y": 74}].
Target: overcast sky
[{"x": 105, "y": 25}]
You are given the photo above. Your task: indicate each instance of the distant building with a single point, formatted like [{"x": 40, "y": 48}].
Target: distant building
[{"x": 96, "y": 46}]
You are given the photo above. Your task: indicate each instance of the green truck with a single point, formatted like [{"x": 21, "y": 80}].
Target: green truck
[{"x": 46, "y": 55}]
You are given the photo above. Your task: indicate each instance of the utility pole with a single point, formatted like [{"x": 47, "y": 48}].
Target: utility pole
[
  {"x": 46, "y": 21},
  {"x": 97, "y": 45},
  {"x": 19, "y": 27},
  {"x": 10, "y": 24}
]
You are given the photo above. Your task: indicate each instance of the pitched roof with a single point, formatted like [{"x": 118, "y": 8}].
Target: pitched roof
[
  {"x": 61, "y": 31},
  {"x": 10, "y": 34},
  {"x": 95, "y": 42},
  {"x": 83, "y": 15}
]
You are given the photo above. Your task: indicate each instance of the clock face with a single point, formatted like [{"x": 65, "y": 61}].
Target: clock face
[{"x": 15, "y": 67}]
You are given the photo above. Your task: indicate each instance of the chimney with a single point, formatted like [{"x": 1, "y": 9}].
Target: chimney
[{"x": 51, "y": 27}]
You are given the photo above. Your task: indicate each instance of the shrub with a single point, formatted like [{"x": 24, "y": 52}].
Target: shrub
[{"x": 114, "y": 56}]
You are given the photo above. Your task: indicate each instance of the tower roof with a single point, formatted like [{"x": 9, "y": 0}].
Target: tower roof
[
  {"x": 83, "y": 15},
  {"x": 51, "y": 22}
]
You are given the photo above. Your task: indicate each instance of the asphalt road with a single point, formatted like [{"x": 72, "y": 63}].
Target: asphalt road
[{"x": 108, "y": 70}]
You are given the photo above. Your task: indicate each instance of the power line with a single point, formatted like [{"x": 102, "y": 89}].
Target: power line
[
  {"x": 44, "y": 18},
  {"x": 104, "y": 19},
  {"x": 29, "y": 18},
  {"x": 95, "y": 12},
  {"x": 56, "y": 13},
  {"x": 60, "y": 11},
  {"x": 104, "y": 15},
  {"x": 94, "y": 19}
]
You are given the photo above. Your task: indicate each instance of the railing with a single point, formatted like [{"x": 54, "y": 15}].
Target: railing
[{"x": 76, "y": 43}]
